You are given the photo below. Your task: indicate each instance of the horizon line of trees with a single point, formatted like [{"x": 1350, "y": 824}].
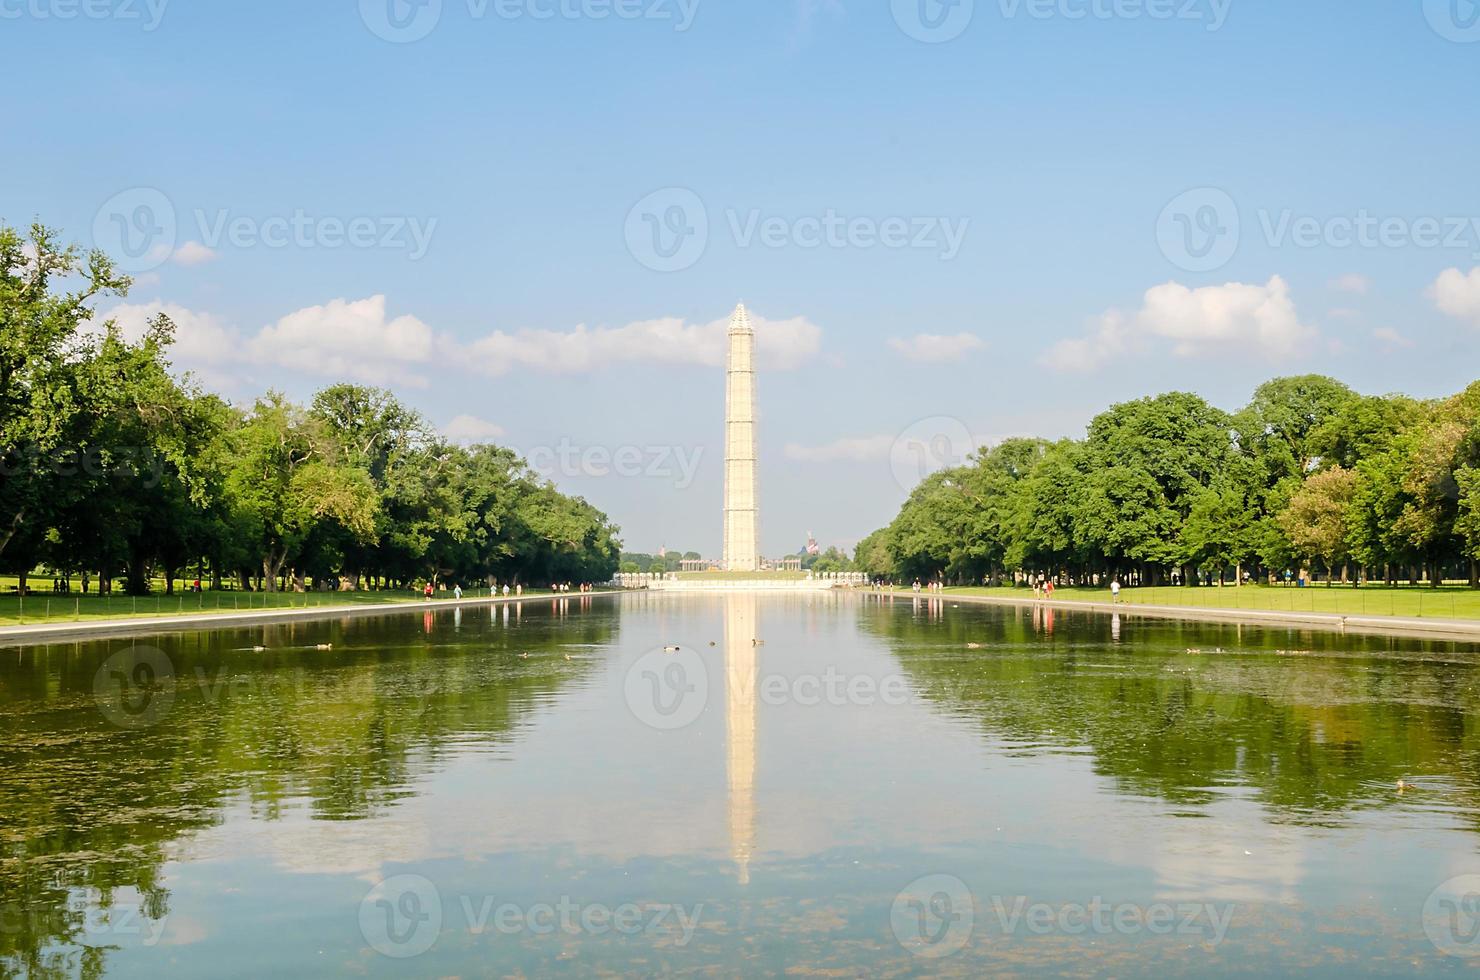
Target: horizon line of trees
[
  {"x": 112, "y": 465},
  {"x": 1310, "y": 475}
]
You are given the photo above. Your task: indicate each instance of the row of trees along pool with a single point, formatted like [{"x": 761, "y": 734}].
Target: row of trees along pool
[
  {"x": 1309, "y": 475},
  {"x": 111, "y": 465}
]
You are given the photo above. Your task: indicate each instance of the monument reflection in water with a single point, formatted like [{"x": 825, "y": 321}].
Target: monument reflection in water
[{"x": 741, "y": 632}]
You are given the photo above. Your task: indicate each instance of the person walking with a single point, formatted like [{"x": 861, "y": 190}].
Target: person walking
[
  {"x": 1115, "y": 590},
  {"x": 457, "y": 591},
  {"x": 428, "y": 592}
]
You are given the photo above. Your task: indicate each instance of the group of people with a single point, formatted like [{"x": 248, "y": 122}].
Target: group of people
[
  {"x": 494, "y": 590},
  {"x": 430, "y": 590}
]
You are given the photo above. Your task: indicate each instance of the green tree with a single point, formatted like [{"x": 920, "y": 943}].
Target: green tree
[
  {"x": 288, "y": 479},
  {"x": 1318, "y": 520}
]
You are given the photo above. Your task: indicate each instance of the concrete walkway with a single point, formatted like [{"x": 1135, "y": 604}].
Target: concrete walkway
[
  {"x": 156, "y": 625},
  {"x": 1429, "y": 629}
]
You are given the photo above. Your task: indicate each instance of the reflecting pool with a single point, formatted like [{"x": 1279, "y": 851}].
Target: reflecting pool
[{"x": 739, "y": 784}]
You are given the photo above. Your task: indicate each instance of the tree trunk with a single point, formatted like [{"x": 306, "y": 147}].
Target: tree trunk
[
  {"x": 271, "y": 566},
  {"x": 137, "y": 578},
  {"x": 1474, "y": 574}
]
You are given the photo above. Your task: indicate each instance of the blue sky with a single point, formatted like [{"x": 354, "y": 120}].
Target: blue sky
[{"x": 1037, "y": 210}]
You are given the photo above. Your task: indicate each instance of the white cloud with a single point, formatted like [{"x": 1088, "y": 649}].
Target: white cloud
[
  {"x": 193, "y": 253},
  {"x": 467, "y": 430},
  {"x": 352, "y": 340},
  {"x": 1391, "y": 337},
  {"x": 1458, "y": 294},
  {"x": 357, "y": 340},
  {"x": 1352, "y": 282},
  {"x": 202, "y": 343},
  {"x": 781, "y": 345},
  {"x": 1230, "y": 319},
  {"x": 930, "y": 348},
  {"x": 862, "y": 449}
]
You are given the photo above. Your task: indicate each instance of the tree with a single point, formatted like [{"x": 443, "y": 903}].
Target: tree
[
  {"x": 1146, "y": 463},
  {"x": 288, "y": 479},
  {"x": 40, "y": 335},
  {"x": 1318, "y": 519},
  {"x": 873, "y": 556}
]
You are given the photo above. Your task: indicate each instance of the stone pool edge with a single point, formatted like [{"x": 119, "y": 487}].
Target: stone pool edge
[
  {"x": 12, "y": 636},
  {"x": 1428, "y": 629}
]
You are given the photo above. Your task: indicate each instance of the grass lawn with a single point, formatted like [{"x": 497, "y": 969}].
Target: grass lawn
[
  {"x": 46, "y": 607},
  {"x": 1447, "y": 602}
]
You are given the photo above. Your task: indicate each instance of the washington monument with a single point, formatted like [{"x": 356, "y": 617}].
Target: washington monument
[{"x": 742, "y": 551}]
